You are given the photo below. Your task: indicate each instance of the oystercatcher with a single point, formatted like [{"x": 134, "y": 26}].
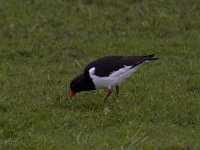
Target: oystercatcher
[{"x": 107, "y": 72}]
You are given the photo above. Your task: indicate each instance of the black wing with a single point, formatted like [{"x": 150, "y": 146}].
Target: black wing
[{"x": 106, "y": 65}]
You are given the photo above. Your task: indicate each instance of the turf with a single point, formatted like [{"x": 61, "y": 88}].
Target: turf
[{"x": 45, "y": 44}]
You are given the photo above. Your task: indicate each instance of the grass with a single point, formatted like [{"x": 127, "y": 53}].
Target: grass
[{"x": 45, "y": 44}]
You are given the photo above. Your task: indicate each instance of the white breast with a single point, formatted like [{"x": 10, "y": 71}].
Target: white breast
[{"x": 115, "y": 78}]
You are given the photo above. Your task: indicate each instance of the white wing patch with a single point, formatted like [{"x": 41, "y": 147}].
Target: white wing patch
[
  {"x": 115, "y": 78},
  {"x": 119, "y": 72}
]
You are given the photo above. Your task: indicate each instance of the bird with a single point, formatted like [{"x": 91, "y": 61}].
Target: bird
[{"x": 107, "y": 72}]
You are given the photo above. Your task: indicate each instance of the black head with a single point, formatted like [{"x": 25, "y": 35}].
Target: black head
[{"x": 81, "y": 83}]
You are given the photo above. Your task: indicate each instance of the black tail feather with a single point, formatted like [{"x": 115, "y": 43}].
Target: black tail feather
[{"x": 151, "y": 57}]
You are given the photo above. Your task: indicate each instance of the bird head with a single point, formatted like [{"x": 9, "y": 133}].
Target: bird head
[{"x": 81, "y": 83}]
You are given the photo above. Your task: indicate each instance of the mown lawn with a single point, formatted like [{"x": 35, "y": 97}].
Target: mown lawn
[{"x": 45, "y": 44}]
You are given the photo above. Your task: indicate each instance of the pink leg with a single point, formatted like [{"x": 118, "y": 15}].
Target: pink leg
[
  {"x": 117, "y": 90},
  {"x": 108, "y": 94}
]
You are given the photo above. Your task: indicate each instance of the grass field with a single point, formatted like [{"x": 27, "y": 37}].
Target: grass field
[{"x": 45, "y": 44}]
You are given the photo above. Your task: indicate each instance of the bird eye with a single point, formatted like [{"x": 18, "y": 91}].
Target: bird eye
[{"x": 71, "y": 85}]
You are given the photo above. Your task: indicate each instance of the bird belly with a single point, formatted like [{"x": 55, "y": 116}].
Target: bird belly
[
  {"x": 103, "y": 82},
  {"x": 115, "y": 78}
]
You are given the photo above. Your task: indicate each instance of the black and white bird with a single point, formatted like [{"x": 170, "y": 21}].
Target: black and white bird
[{"x": 107, "y": 72}]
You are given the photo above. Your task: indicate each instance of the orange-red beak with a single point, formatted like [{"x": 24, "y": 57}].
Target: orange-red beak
[{"x": 72, "y": 94}]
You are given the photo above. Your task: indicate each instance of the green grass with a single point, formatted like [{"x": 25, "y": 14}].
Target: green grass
[{"x": 45, "y": 44}]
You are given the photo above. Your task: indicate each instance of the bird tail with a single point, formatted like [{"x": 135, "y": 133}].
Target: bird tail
[{"x": 151, "y": 57}]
